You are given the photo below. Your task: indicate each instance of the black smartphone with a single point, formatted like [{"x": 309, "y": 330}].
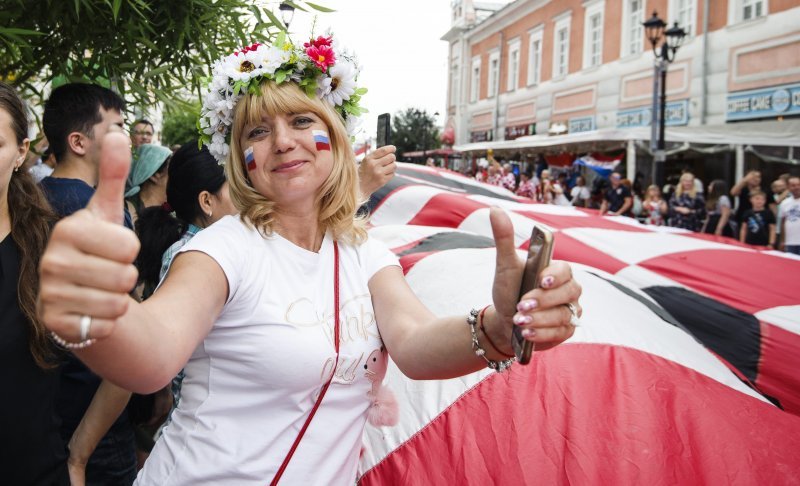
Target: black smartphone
[
  {"x": 540, "y": 251},
  {"x": 384, "y": 130}
]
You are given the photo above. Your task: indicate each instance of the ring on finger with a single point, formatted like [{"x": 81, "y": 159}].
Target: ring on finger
[
  {"x": 574, "y": 320},
  {"x": 85, "y": 326}
]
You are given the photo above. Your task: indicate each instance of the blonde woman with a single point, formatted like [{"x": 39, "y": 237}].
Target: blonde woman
[
  {"x": 687, "y": 207},
  {"x": 268, "y": 309}
]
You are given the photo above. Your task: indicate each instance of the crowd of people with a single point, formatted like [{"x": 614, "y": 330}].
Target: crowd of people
[
  {"x": 162, "y": 292},
  {"x": 750, "y": 212}
]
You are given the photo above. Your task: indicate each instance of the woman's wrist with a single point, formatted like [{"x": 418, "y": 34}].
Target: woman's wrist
[{"x": 498, "y": 332}]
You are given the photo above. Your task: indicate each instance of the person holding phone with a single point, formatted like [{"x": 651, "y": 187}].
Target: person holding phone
[{"x": 268, "y": 310}]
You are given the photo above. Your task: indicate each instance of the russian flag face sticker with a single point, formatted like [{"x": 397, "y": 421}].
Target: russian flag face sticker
[
  {"x": 321, "y": 139},
  {"x": 249, "y": 159}
]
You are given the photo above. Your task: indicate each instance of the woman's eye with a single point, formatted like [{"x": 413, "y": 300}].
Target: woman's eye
[
  {"x": 302, "y": 121},
  {"x": 256, "y": 132}
]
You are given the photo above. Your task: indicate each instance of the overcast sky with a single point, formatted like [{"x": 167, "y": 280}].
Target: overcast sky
[{"x": 404, "y": 64}]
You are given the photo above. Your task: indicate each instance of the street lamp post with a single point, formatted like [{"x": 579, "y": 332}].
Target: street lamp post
[
  {"x": 665, "y": 46},
  {"x": 287, "y": 13}
]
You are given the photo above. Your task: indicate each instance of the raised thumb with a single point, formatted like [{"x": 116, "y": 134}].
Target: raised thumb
[
  {"x": 503, "y": 231},
  {"x": 115, "y": 162}
]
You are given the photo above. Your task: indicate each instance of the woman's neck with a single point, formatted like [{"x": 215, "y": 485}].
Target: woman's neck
[
  {"x": 5, "y": 216},
  {"x": 302, "y": 229},
  {"x": 152, "y": 195}
]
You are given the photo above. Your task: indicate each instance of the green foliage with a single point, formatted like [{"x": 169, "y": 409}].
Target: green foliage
[
  {"x": 180, "y": 125},
  {"x": 148, "y": 50},
  {"x": 414, "y": 130}
]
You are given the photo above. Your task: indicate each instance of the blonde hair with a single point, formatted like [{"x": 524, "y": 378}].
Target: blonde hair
[
  {"x": 679, "y": 190},
  {"x": 338, "y": 198}
]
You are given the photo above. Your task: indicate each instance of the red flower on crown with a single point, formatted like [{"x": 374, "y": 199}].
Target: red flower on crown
[
  {"x": 322, "y": 56},
  {"x": 319, "y": 42}
]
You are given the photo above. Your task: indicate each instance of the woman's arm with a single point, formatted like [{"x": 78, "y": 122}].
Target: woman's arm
[
  {"x": 87, "y": 270},
  {"x": 426, "y": 347},
  {"x": 772, "y": 235},
  {"x": 743, "y": 232},
  {"x": 107, "y": 404},
  {"x": 725, "y": 216}
]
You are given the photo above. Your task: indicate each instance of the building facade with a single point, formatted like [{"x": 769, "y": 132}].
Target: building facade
[{"x": 570, "y": 66}]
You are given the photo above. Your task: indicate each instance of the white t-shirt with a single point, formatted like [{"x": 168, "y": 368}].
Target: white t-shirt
[
  {"x": 789, "y": 211},
  {"x": 251, "y": 383},
  {"x": 580, "y": 193}
]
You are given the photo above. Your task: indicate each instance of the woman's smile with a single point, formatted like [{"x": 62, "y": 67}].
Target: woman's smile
[{"x": 290, "y": 166}]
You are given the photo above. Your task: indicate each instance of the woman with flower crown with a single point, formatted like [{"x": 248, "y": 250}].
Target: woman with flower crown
[{"x": 276, "y": 313}]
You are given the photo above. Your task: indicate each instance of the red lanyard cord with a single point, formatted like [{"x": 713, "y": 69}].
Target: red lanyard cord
[{"x": 336, "y": 363}]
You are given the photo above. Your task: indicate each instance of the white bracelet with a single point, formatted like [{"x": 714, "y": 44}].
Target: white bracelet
[{"x": 68, "y": 345}]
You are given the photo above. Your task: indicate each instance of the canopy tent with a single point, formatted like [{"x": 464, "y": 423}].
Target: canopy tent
[{"x": 784, "y": 133}]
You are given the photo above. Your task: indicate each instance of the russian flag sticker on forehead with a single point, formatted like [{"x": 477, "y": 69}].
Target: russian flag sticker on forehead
[
  {"x": 321, "y": 139},
  {"x": 249, "y": 159}
]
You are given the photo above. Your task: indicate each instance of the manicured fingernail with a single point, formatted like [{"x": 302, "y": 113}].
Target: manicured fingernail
[
  {"x": 520, "y": 319},
  {"x": 528, "y": 333},
  {"x": 527, "y": 305},
  {"x": 548, "y": 281}
]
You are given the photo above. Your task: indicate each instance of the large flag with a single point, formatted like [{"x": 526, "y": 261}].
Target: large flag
[{"x": 687, "y": 352}]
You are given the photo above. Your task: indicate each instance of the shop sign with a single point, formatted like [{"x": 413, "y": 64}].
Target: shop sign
[
  {"x": 481, "y": 136},
  {"x": 520, "y": 131},
  {"x": 763, "y": 103},
  {"x": 676, "y": 114},
  {"x": 582, "y": 124}
]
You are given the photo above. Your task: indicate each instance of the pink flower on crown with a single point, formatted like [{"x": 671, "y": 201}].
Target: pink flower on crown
[
  {"x": 322, "y": 56},
  {"x": 319, "y": 42}
]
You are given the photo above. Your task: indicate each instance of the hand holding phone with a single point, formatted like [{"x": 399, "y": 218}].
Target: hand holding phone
[
  {"x": 540, "y": 251},
  {"x": 384, "y": 130}
]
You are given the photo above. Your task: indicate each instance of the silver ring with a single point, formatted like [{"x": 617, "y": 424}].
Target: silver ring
[
  {"x": 86, "y": 325},
  {"x": 574, "y": 320}
]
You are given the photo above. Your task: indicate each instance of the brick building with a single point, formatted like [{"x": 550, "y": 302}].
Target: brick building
[{"x": 553, "y": 76}]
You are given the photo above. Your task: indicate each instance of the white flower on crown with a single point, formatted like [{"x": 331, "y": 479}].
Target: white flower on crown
[
  {"x": 353, "y": 125},
  {"x": 340, "y": 83}
]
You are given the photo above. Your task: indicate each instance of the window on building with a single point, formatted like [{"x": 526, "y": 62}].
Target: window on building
[
  {"x": 685, "y": 15},
  {"x": 752, "y": 9},
  {"x": 633, "y": 30},
  {"x": 535, "y": 57},
  {"x": 455, "y": 86},
  {"x": 475, "y": 81},
  {"x": 593, "y": 35},
  {"x": 513, "y": 65},
  {"x": 561, "y": 48},
  {"x": 494, "y": 74}
]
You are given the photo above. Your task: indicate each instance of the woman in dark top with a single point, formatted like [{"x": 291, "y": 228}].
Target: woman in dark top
[
  {"x": 33, "y": 452},
  {"x": 687, "y": 208}
]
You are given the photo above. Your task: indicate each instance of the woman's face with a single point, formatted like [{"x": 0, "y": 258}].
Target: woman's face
[
  {"x": 221, "y": 204},
  {"x": 653, "y": 193},
  {"x": 687, "y": 182},
  {"x": 291, "y": 156},
  {"x": 12, "y": 154}
]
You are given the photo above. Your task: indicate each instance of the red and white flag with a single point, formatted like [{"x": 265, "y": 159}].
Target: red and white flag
[{"x": 688, "y": 349}]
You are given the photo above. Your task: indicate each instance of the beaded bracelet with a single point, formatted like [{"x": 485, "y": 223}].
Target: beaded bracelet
[
  {"x": 498, "y": 366},
  {"x": 68, "y": 345}
]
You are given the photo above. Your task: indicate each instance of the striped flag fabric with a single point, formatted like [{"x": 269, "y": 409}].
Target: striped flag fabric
[{"x": 684, "y": 370}]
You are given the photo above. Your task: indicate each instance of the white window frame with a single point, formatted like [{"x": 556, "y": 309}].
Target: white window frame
[
  {"x": 736, "y": 10},
  {"x": 562, "y": 25},
  {"x": 535, "y": 54},
  {"x": 629, "y": 25},
  {"x": 512, "y": 74},
  {"x": 493, "y": 82},
  {"x": 594, "y": 8},
  {"x": 475, "y": 80},
  {"x": 455, "y": 85},
  {"x": 676, "y": 15}
]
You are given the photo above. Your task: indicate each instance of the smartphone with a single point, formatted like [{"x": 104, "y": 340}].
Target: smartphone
[
  {"x": 384, "y": 130},
  {"x": 540, "y": 251}
]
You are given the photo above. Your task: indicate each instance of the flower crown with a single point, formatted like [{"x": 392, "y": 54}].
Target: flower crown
[{"x": 316, "y": 67}]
